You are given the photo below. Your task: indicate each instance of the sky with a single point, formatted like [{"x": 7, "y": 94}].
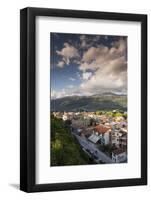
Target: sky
[{"x": 82, "y": 64}]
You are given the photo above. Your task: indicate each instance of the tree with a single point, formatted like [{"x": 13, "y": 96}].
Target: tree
[
  {"x": 65, "y": 150},
  {"x": 98, "y": 112}
]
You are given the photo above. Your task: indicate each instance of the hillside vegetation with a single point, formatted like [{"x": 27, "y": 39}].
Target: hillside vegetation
[
  {"x": 65, "y": 150},
  {"x": 90, "y": 103}
]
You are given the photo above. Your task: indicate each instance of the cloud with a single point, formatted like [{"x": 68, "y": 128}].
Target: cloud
[
  {"x": 109, "y": 66},
  {"x": 100, "y": 68},
  {"x": 77, "y": 61},
  {"x": 69, "y": 91},
  {"x": 70, "y": 86},
  {"x": 86, "y": 75},
  {"x": 102, "y": 81},
  {"x": 68, "y": 52},
  {"x": 58, "y": 94},
  {"x": 72, "y": 79},
  {"x": 84, "y": 66},
  {"x": 88, "y": 41},
  {"x": 85, "y": 42},
  {"x": 61, "y": 64}
]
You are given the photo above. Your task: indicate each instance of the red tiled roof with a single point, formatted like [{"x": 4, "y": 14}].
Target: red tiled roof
[{"x": 101, "y": 129}]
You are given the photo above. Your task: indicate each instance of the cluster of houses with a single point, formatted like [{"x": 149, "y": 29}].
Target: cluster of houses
[{"x": 100, "y": 130}]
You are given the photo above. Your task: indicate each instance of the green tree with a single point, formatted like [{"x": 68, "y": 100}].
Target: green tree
[{"x": 65, "y": 150}]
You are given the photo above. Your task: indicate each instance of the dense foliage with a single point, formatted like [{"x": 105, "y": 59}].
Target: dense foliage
[
  {"x": 112, "y": 113},
  {"x": 65, "y": 150}
]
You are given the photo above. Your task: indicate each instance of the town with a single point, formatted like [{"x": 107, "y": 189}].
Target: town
[{"x": 102, "y": 135}]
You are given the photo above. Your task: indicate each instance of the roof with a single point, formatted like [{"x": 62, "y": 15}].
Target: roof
[
  {"x": 94, "y": 138},
  {"x": 101, "y": 128},
  {"x": 118, "y": 151},
  {"x": 87, "y": 131}
]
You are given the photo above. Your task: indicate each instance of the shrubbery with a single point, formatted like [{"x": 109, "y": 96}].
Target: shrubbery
[{"x": 65, "y": 150}]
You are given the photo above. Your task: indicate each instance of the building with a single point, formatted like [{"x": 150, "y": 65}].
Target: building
[
  {"x": 87, "y": 132},
  {"x": 58, "y": 114},
  {"x": 82, "y": 122},
  {"x": 119, "y": 137},
  {"x": 103, "y": 132},
  {"x": 123, "y": 141},
  {"x": 64, "y": 117},
  {"x": 115, "y": 137},
  {"x": 94, "y": 138},
  {"x": 119, "y": 156}
]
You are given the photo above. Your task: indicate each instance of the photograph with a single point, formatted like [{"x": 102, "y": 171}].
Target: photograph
[
  {"x": 83, "y": 99},
  {"x": 88, "y": 99}
]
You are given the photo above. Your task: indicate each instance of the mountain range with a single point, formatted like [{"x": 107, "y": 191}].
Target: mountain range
[{"x": 105, "y": 101}]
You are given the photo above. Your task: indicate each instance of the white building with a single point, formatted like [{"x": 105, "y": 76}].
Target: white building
[
  {"x": 119, "y": 156},
  {"x": 104, "y": 134},
  {"x": 94, "y": 138},
  {"x": 115, "y": 137},
  {"x": 64, "y": 117}
]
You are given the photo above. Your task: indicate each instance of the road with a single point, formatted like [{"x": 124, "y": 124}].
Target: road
[{"x": 87, "y": 145}]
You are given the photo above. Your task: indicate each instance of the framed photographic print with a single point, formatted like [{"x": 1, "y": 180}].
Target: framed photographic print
[{"x": 83, "y": 99}]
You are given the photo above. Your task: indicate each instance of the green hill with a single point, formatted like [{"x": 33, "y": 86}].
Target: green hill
[
  {"x": 65, "y": 150},
  {"x": 107, "y": 101}
]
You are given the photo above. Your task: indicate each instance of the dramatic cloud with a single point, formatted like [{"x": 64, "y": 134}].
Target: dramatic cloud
[
  {"x": 60, "y": 64},
  {"x": 109, "y": 66},
  {"x": 68, "y": 52},
  {"x": 86, "y": 75},
  {"x": 88, "y": 41},
  {"x": 96, "y": 64}
]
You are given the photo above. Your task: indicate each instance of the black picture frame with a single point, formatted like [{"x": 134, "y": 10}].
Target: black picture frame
[{"x": 28, "y": 98}]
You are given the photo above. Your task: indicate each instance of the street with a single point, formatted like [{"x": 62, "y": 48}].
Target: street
[{"x": 89, "y": 146}]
